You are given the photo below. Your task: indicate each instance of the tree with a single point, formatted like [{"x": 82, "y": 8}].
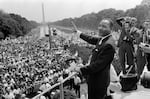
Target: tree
[
  {"x": 14, "y": 25},
  {"x": 91, "y": 21}
]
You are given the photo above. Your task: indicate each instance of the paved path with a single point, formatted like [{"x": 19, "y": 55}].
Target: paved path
[{"x": 140, "y": 93}]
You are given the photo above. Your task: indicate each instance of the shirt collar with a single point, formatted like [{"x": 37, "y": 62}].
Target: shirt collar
[{"x": 104, "y": 39}]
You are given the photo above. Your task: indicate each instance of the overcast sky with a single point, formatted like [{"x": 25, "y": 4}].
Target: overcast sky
[{"x": 59, "y": 9}]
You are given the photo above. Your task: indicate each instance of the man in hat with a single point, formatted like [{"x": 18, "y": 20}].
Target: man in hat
[{"x": 98, "y": 71}]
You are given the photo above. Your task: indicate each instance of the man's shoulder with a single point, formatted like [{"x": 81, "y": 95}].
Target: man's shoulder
[
  {"x": 105, "y": 45},
  {"x": 108, "y": 46}
]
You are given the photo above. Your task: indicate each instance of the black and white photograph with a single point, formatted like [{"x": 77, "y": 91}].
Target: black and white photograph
[{"x": 74, "y": 49}]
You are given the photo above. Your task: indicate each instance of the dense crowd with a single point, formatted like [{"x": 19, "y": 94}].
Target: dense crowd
[{"x": 27, "y": 64}]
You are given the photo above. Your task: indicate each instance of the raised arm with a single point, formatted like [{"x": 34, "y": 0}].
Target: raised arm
[
  {"x": 120, "y": 20},
  {"x": 89, "y": 39}
]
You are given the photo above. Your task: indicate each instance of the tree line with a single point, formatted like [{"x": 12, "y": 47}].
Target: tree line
[
  {"x": 13, "y": 25},
  {"x": 91, "y": 21}
]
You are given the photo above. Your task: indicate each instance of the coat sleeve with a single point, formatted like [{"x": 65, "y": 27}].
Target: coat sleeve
[
  {"x": 89, "y": 39},
  {"x": 104, "y": 59}
]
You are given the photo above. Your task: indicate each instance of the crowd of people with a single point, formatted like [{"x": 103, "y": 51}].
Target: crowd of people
[{"x": 27, "y": 65}]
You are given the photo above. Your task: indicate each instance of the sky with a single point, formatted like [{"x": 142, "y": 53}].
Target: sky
[{"x": 59, "y": 9}]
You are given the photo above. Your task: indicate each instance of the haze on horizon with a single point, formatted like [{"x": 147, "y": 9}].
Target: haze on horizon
[{"x": 60, "y": 9}]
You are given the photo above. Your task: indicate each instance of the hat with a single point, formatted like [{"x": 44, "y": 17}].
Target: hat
[
  {"x": 127, "y": 18},
  {"x": 133, "y": 19}
]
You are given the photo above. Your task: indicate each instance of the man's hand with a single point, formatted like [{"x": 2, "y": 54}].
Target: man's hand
[
  {"x": 77, "y": 69},
  {"x": 72, "y": 66},
  {"x": 75, "y": 29},
  {"x": 77, "y": 32},
  {"x": 80, "y": 65}
]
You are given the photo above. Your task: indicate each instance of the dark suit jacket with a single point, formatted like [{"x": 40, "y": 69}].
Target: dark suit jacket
[
  {"x": 130, "y": 37},
  {"x": 99, "y": 69}
]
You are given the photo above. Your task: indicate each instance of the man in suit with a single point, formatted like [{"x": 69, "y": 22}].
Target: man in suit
[
  {"x": 147, "y": 40},
  {"x": 142, "y": 57},
  {"x": 98, "y": 71}
]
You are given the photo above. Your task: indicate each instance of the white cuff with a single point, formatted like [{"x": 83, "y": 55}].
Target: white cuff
[{"x": 78, "y": 33}]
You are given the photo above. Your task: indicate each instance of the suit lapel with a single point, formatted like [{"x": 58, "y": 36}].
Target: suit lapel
[{"x": 104, "y": 39}]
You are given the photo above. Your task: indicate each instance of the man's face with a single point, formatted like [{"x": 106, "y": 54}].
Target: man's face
[
  {"x": 126, "y": 26},
  {"x": 104, "y": 28},
  {"x": 134, "y": 23},
  {"x": 146, "y": 25}
]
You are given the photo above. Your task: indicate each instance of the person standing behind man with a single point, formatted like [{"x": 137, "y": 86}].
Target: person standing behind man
[
  {"x": 98, "y": 71},
  {"x": 147, "y": 41},
  {"x": 125, "y": 44},
  {"x": 140, "y": 55},
  {"x": 146, "y": 56}
]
